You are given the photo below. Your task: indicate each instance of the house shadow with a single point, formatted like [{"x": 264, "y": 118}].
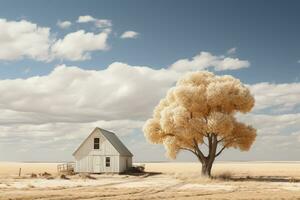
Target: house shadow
[{"x": 141, "y": 174}]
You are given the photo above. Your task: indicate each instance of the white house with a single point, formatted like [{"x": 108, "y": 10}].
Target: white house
[{"x": 102, "y": 152}]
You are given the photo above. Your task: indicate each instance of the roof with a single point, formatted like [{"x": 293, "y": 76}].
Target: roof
[{"x": 113, "y": 139}]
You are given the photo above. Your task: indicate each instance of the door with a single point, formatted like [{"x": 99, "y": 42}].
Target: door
[
  {"x": 97, "y": 164},
  {"x": 107, "y": 164}
]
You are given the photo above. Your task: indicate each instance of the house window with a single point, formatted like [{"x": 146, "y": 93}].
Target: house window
[
  {"x": 107, "y": 161},
  {"x": 96, "y": 143}
]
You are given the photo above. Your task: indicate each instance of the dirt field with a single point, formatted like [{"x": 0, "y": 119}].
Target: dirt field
[{"x": 233, "y": 180}]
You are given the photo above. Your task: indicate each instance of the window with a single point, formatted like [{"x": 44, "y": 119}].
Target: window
[
  {"x": 107, "y": 161},
  {"x": 96, "y": 143}
]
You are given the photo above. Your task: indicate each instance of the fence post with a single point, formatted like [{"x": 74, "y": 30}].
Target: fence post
[{"x": 20, "y": 171}]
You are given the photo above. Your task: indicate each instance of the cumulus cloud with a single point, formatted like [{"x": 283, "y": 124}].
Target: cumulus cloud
[
  {"x": 100, "y": 23},
  {"x": 23, "y": 140},
  {"x": 129, "y": 34},
  {"x": 103, "y": 23},
  {"x": 276, "y": 133},
  {"x": 71, "y": 94},
  {"x": 279, "y": 98},
  {"x": 85, "y": 19},
  {"x": 232, "y": 50},
  {"x": 19, "y": 39},
  {"x": 69, "y": 102},
  {"x": 23, "y": 39},
  {"x": 64, "y": 24},
  {"x": 78, "y": 45},
  {"x": 55, "y": 112},
  {"x": 206, "y": 60}
]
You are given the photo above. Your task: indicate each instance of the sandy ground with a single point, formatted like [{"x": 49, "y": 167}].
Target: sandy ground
[
  {"x": 258, "y": 168},
  {"x": 233, "y": 180}
]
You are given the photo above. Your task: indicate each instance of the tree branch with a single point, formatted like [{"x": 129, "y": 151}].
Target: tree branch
[
  {"x": 220, "y": 151},
  {"x": 232, "y": 140},
  {"x": 221, "y": 140},
  {"x": 188, "y": 150},
  {"x": 210, "y": 144},
  {"x": 198, "y": 151},
  {"x": 205, "y": 144},
  {"x": 212, "y": 147}
]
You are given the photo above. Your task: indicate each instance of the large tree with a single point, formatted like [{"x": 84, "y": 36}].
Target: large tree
[{"x": 198, "y": 113}]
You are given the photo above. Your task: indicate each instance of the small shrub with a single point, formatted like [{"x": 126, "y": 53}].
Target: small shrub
[
  {"x": 136, "y": 169},
  {"x": 292, "y": 180},
  {"x": 225, "y": 176},
  {"x": 45, "y": 174},
  {"x": 63, "y": 176},
  {"x": 33, "y": 175}
]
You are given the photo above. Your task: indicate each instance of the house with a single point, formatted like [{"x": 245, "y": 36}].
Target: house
[{"x": 102, "y": 152}]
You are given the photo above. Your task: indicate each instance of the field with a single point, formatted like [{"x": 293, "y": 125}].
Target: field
[{"x": 232, "y": 180}]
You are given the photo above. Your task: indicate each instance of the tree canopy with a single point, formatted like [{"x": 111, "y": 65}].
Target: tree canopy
[{"x": 201, "y": 110}]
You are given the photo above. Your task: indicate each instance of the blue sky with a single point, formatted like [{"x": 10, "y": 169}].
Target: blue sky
[
  {"x": 263, "y": 33},
  {"x": 266, "y": 33}
]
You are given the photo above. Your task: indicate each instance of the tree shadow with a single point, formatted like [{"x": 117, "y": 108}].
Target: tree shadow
[{"x": 259, "y": 178}]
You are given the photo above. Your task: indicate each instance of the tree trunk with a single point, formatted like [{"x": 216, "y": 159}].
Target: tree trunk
[
  {"x": 207, "y": 161},
  {"x": 206, "y": 169}
]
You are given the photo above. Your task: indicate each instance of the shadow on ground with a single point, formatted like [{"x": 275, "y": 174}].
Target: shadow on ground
[
  {"x": 259, "y": 178},
  {"x": 143, "y": 174}
]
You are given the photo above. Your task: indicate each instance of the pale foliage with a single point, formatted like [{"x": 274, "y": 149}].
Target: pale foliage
[{"x": 201, "y": 103}]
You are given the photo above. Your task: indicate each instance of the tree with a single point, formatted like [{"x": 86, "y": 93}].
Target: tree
[{"x": 197, "y": 115}]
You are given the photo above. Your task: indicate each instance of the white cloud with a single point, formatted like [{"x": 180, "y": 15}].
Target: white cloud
[
  {"x": 277, "y": 135},
  {"x": 69, "y": 102},
  {"x": 55, "y": 112},
  {"x": 23, "y": 39},
  {"x": 32, "y": 141},
  {"x": 103, "y": 23},
  {"x": 85, "y": 19},
  {"x": 100, "y": 23},
  {"x": 205, "y": 60},
  {"x": 277, "y": 97},
  {"x": 232, "y": 50},
  {"x": 273, "y": 124},
  {"x": 71, "y": 94},
  {"x": 19, "y": 39},
  {"x": 78, "y": 45},
  {"x": 64, "y": 24},
  {"x": 298, "y": 61},
  {"x": 129, "y": 34}
]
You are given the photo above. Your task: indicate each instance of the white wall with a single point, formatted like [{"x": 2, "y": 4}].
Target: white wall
[
  {"x": 93, "y": 161},
  {"x": 122, "y": 163}
]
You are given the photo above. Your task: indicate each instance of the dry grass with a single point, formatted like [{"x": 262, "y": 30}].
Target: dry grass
[
  {"x": 240, "y": 169},
  {"x": 252, "y": 180},
  {"x": 12, "y": 168}
]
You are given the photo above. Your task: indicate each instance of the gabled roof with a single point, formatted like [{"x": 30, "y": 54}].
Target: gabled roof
[{"x": 113, "y": 139}]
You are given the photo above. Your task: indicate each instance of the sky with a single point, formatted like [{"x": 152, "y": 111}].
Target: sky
[{"x": 69, "y": 66}]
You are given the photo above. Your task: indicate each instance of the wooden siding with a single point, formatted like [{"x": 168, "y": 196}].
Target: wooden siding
[
  {"x": 90, "y": 160},
  {"x": 96, "y": 164},
  {"x": 125, "y": 163}
]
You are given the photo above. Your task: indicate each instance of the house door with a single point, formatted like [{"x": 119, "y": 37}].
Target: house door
[
  {"x": 107, "y": 164},
  {"x": 97, "y": 164}
]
